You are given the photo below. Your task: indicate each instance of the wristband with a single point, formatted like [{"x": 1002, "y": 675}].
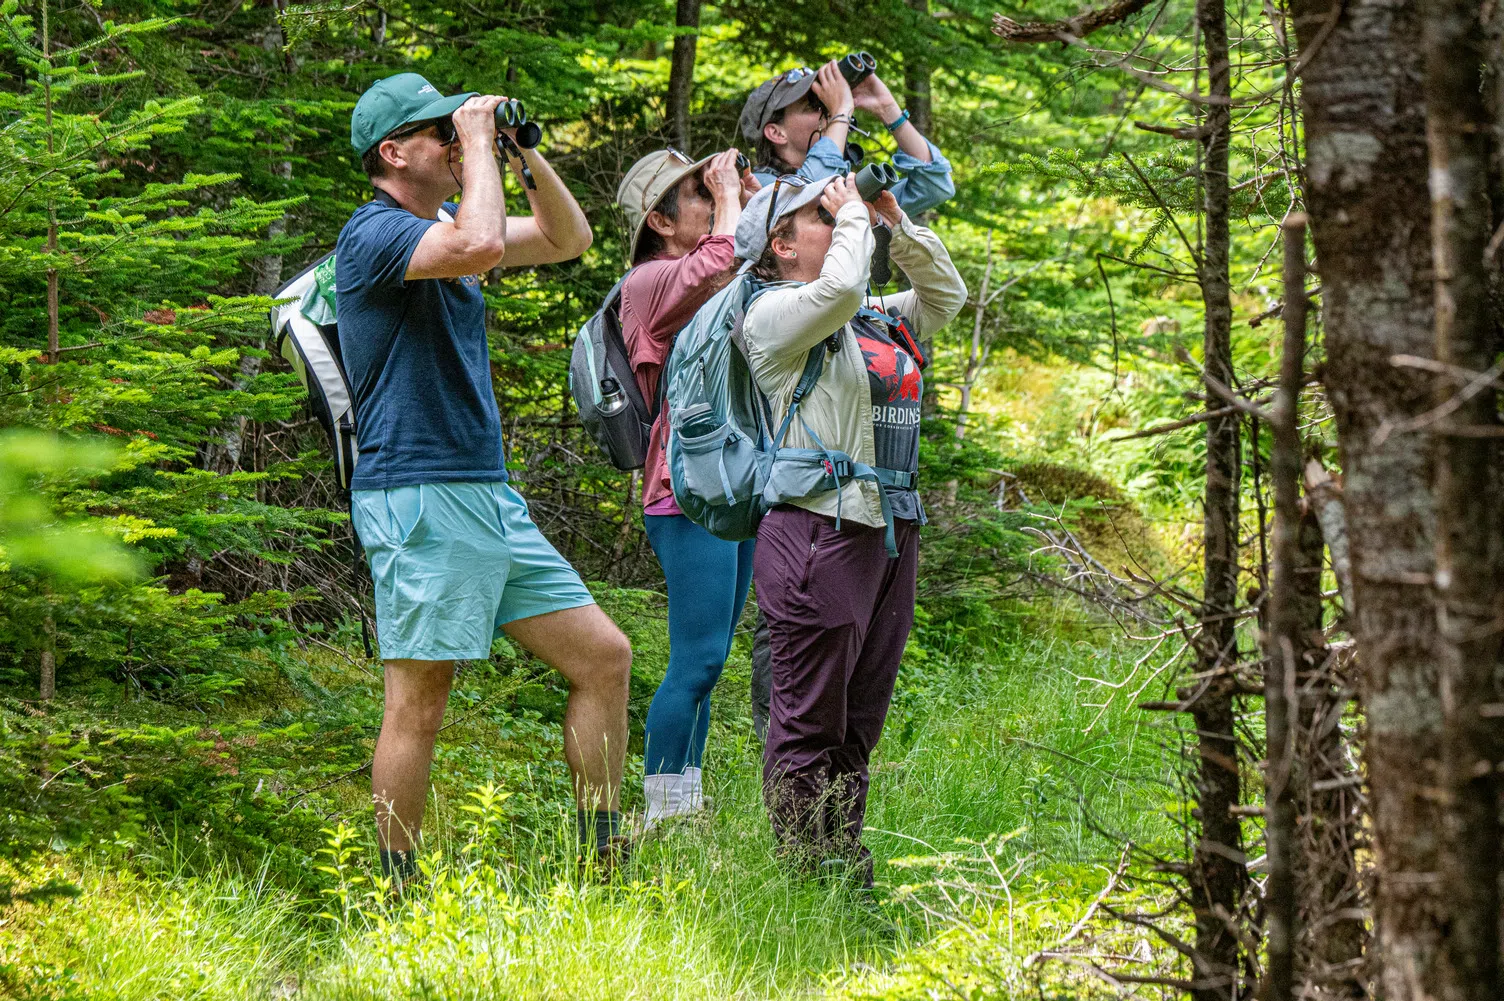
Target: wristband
[{"x": 897, "y": 123}]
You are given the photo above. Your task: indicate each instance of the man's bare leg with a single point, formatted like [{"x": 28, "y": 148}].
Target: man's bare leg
[
  {"x": 593, "y": 655},
  {"x": 416, "y": 694}
]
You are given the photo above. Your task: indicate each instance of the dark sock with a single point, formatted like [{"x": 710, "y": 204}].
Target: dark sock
[
  {"x": 399, "y": 864},
  {"x": 597, "y": 827}
]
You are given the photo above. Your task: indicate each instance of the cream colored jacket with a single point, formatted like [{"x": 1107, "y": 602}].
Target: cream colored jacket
[{"x": 789, "y": 319}]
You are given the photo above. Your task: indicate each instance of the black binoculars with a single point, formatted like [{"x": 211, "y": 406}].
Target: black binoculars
[
  {"x": 857, "y": 66},
  {"x": 875, "y": 178},
  {"x": 513, "y": 115},
  {"x": 742, "y": 163}
]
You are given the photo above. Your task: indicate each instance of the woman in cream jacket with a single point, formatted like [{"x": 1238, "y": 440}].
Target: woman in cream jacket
[{"x": 839, "y": 606}]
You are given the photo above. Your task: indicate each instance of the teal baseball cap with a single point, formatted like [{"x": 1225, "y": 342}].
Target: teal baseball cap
[{"x": 394, "y": 102}]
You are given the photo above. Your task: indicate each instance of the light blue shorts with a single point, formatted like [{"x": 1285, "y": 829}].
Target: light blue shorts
[{"x": 452, "y": 563}]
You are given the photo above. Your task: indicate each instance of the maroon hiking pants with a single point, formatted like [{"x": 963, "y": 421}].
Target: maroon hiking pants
[{"x": 839, "y": 613}]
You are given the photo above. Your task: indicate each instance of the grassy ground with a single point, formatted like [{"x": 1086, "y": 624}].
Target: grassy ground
[{"x": 999, "y": 796}]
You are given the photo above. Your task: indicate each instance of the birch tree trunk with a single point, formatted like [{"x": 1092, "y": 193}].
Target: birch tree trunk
[
  {"x": 1468, "y": 537},
  {"x": 268, "y": 270},
  {"x": 1370, "y": 221},
  {"x": 978, "y": 355}
]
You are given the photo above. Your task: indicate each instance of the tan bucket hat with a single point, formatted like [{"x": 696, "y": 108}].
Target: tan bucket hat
[{"x": 648, "y": 180}]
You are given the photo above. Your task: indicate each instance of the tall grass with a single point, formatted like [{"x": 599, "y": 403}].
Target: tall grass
[{"x": 994, "y": 741}]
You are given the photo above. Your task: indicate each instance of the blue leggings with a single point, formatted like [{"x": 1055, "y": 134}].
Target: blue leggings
[{"x": 707, "y": 587}]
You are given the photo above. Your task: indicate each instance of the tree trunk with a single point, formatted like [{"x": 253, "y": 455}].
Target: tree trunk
[
  {"x": 52, "y": 274},
  {"x": 1468, "y": 568},
  {"x": 1325, "y": 789},
  {"x": 1287, "y": 642},
  {"x": 1370, "y": 220},
  {"x": 1324, "y": 496},
  {"x": 916, "y": 99},
  {"x": 1218, "y": 874},
  {"x": 47, "y": 688},
  {"x": 681, "y": 74},
  {"x": 268, "y": 279},
  {"x": 916, "y": 77},
  {"x": 978, "y": 355}
]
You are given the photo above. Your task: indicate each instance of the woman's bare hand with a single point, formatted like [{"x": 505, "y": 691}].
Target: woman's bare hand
[
  {"x": 839, "y": 192},
  {"x": 887, "y": 207},
  {"x": 721, "y": 178},
  {"x": 833, "y": 90}
]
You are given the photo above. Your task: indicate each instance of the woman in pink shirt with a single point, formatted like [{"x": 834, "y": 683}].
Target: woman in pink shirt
[{"x": 683, "y": 216}]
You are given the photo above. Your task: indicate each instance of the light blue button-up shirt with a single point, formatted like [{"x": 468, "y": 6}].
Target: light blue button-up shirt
[{"x": 921, "y": 185}]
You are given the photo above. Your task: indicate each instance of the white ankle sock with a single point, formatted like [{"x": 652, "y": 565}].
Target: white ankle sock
[
  {"x": 694, "y": 789},
  {"x": 665, "y": 795}
]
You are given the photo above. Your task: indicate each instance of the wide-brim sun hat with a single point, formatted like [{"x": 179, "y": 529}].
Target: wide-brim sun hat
[
  {"x": 645, "y": 184},
  {"x": 776, "y": 201},
  {"x": 395, "y": 101}
]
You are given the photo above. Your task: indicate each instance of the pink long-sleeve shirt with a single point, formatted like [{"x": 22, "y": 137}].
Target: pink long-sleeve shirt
[{"x": 659, "y": 298}]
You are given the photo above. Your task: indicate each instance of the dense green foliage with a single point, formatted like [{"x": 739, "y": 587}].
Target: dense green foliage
[{"x": 172, "y": 538}]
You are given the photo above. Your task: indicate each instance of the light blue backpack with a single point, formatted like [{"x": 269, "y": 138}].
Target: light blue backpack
[{"x": 727, "y": 464}]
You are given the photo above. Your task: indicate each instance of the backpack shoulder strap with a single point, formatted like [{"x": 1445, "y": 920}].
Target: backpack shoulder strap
[
  {"x": 814, "y": 365},
  {"x": 751, "y": 288},
  {"x": 613, "y": 297},
  {"x": 385, "y": 198}
]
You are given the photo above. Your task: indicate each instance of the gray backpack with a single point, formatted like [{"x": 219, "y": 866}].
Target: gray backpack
[
  {"x": 605, "y": 391},
  {"x": 727, "y": 463}
]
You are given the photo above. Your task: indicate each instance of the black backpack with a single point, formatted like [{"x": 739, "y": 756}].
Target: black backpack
[{"x": 612, "y": 408}]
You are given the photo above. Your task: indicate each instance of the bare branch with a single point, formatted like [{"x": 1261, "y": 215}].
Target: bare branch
[
  {"x": 1193, "y": 133},
  {"x": 1080, "y": 26}
]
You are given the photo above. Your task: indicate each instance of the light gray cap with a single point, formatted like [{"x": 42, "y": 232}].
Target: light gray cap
[{"x": 792, "y": 193}]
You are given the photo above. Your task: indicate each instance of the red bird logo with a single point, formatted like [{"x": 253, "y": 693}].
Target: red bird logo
[{"x": 899, "y": 374}]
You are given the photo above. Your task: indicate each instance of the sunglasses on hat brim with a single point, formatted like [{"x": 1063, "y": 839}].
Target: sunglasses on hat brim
[
  {"x": 676, "y": 158},
  {"x": 792, "y": 181},
  {"x": 792, "y": 76}
]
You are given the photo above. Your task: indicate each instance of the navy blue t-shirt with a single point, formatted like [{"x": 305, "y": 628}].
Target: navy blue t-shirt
[{"x": 416, "y": 355}]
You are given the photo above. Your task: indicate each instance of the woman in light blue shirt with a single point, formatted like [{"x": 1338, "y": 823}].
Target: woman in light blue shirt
[{"x": 799, "y": 121}]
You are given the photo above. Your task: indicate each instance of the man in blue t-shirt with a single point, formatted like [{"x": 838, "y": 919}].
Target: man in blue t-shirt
[{"x": 454, "y": 556}]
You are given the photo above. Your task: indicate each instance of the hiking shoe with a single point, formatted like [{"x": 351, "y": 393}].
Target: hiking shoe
[
  {"x": 858, "y": 872},
  {"x": 605, "y": 863}
]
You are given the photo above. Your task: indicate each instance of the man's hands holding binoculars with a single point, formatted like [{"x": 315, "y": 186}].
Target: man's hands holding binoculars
[
  {"x": 500, "y": 123},
  {"x": 509, "y": 119},
  {"x": 475, "y": 121}
]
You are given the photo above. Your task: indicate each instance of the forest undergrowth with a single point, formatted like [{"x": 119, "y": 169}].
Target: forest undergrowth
[{"x": 1000, "y": 800}]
